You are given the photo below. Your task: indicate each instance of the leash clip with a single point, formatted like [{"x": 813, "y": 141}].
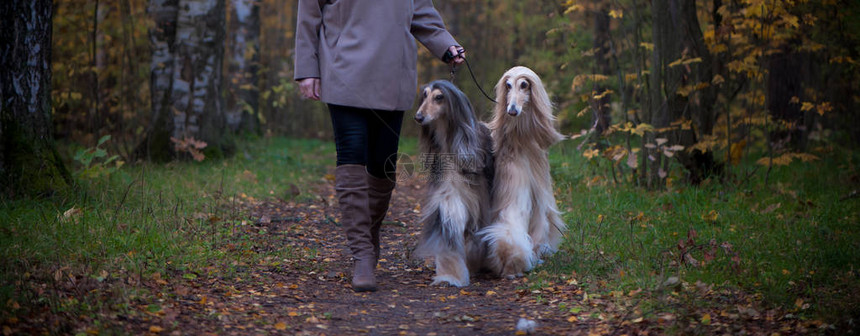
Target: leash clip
[{"x": 453, "y": 71}]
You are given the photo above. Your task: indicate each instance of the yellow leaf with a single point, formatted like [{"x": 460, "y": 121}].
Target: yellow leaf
[
  {"x": 706, "y": 319},
  {"x": 292, "y": 313},
  {"x": 583, "y": 111},
  {"x": 711, "y": 216},
  {"x": 579, "y": 80},
  {"x": 281, "y": 326},
  {"x": 490, "y": 293},
  {"x": 155, "y": 329},
  {"x": 616, "y": 13},
  {"x": 737, "y": 151},
  {"x": 572, "y": 319},
  {"x": 573, "y": 8},
  {"x": 647, "y": 46}
]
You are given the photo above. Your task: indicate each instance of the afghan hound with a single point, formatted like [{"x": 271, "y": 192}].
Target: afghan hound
[
  {"x": 457, "y": 153},
  {"x": 526, "y": 223}
]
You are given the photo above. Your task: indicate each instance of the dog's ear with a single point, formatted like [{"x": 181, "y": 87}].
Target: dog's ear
[
  {"x": 423, "y": 94},
  {"x": 501, "y": 93}
]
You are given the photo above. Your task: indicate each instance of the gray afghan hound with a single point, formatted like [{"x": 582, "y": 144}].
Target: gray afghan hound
[{"x": 457, "y": 153}]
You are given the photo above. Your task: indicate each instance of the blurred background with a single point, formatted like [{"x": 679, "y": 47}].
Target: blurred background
[{"x": 719, "y": 75}]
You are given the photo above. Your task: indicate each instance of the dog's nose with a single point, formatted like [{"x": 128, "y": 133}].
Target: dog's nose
[
  {"x": 419, "y": 118},
  {"x": 513, "y": 110}
]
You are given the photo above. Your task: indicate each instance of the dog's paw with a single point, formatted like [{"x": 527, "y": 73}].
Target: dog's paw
[
  {"x": 513, "y": 276},
  {"x": 545, "y": 250},
  {"x": 446, "y": 280}
]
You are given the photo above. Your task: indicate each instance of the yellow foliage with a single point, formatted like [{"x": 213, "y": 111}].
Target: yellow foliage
[
  {"x": 842, "y": 59},
  {"x": 737, "y": 151},
  {"x": 631, "y": 77},
  {"x": 590, "y": 153},
  {"x": 602, "y": 94},
  {"x": 616, "y": 13},
  {"x": 685, "y": 61},
  {"x": 579, "y": 80},
  {"x": 583, "y": 111},
  {"x": 785, "y": 159}
]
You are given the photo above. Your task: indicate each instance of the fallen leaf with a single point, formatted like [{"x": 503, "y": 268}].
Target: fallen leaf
[
  {"x": 155, "y": 329},
  {"x": 281, "y": 326},
  {"x": 706, "y": 319}
]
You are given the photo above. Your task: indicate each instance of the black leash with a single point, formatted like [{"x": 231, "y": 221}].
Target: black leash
[{"x": 472, "y": 73}]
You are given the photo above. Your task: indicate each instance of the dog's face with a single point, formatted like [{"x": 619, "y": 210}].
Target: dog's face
[
  {"x": 432, "y": 106},
  {"x": 518, "y": 93}
]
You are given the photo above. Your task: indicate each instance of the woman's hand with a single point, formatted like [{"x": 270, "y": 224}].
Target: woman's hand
[
  {"x": 459, "y": 54},
  {"x": 310, "y": 88}
]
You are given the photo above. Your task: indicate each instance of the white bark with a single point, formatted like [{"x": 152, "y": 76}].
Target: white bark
[{"x": 197, "y": 106}]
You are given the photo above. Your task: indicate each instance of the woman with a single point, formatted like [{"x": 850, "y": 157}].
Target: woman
[{"x": 359, "y": 57}]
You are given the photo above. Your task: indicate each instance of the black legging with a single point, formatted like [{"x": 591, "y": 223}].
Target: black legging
[{"x": 367, "y": 137}]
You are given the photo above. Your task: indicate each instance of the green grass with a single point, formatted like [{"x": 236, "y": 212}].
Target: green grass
[
  {"x": 173, "y": 220},
  {"x": 792, "y": 238}
]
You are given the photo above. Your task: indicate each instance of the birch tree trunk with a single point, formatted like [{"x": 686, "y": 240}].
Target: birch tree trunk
[
  {"x": 188, "y": 54},
  {"x": 198, "y": 111},
  {"x": 29, "y": 162},
  {"x": 243, "y": 90}
]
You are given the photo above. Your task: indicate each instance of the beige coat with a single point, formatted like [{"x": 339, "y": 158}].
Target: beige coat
[{"x": 364, "y": 51}]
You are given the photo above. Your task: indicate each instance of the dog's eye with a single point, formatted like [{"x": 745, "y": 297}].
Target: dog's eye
[
  {"x": 437, "y": 97},
  {"x": 524, "y": 85},
  {"x": 508, "y": 85}
]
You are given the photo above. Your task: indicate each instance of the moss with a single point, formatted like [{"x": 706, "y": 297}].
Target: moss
[{"x": 33, "y": 166}]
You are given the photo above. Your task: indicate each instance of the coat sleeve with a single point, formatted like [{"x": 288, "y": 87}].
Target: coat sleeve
[
  {"x": 308, "y": 39},
  {"x": 428, "y": 28}
]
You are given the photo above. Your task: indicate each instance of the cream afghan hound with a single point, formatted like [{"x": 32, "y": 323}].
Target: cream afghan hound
[
  {"x": 526, "y": 223},
  {"x": 457, "y": 152}
]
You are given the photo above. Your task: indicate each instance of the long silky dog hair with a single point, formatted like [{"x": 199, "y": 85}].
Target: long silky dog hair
[
  {"x": 526, "y": 222},
  {"x": 457, "y": 152}
]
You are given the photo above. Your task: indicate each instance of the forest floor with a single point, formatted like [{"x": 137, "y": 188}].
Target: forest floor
[{"x": 308, "y": 292}]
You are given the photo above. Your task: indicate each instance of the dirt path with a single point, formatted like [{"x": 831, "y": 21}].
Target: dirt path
[
  {"x": 307, "y": 290},
  {"x": 311, "y": 294}
]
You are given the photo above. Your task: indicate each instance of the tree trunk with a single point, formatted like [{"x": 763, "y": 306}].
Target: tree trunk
[
  {"x": 784, "y": 83},
  {"x": 676, "y": 33},
  {"x": 243, "y": 92},
  {"x": 162, "y": 38},
  {"x": 29, "y": 162},
  {"x": 601, "y": 117},
  {"x": 188, "y": 54}
]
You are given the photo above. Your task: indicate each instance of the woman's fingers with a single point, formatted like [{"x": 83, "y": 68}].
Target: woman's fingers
[{"x": 310, "y": 88}]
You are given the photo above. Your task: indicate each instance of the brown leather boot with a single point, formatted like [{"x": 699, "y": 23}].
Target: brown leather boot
[
  {"x": 379, "y": 195},
  {"x": 351, "y": 188}
]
